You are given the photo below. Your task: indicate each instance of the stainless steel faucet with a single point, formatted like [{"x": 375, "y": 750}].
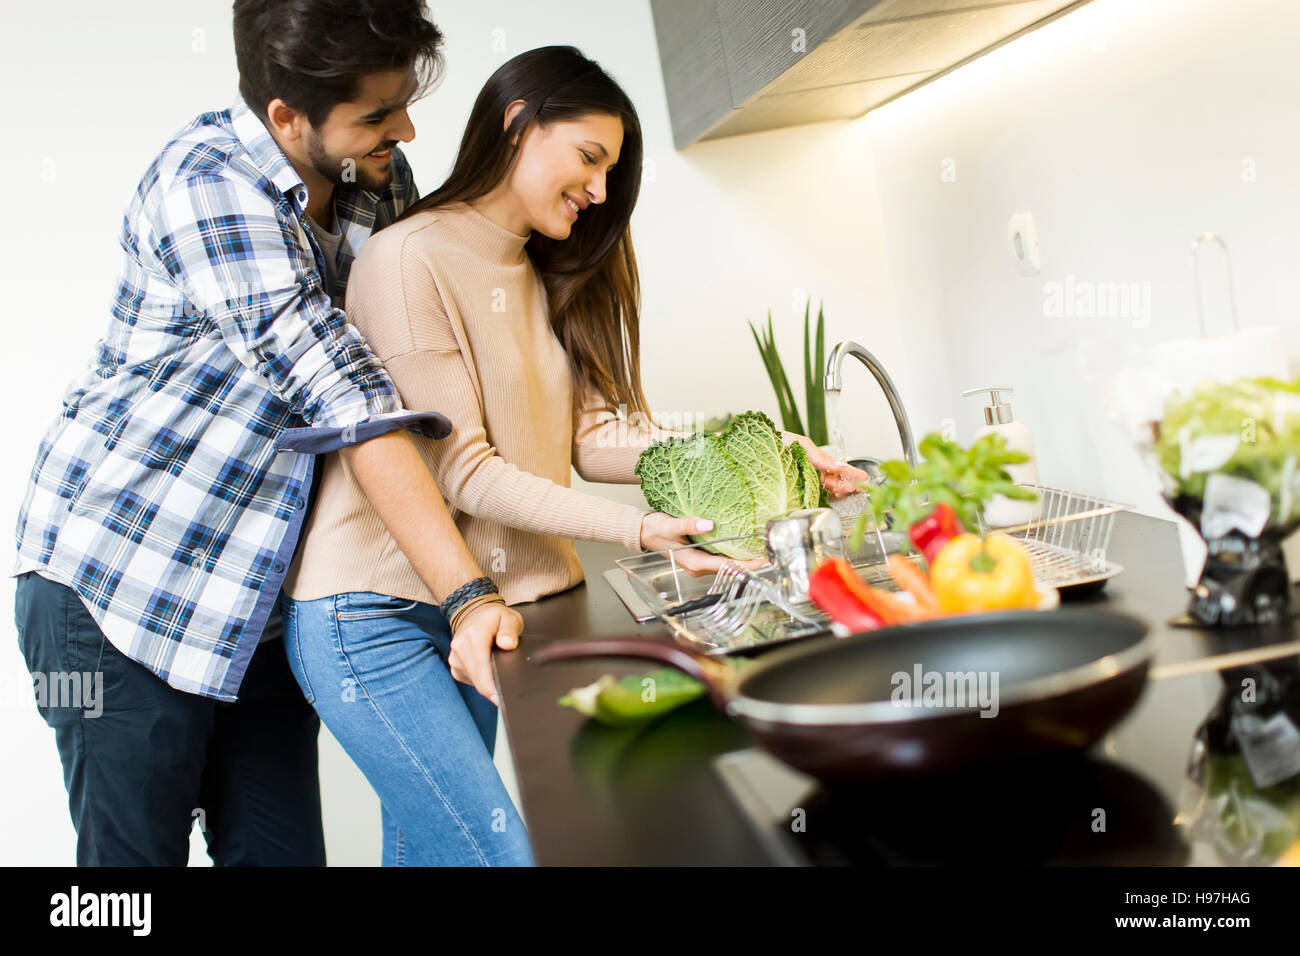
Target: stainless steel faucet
[{"x": 835, "y": 383}]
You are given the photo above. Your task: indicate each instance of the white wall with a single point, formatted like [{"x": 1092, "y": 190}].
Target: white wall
[{"x": 1126, "y": 128}]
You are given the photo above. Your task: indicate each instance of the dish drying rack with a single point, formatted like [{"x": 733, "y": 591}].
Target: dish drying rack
[{"x": 740, "y": 608}]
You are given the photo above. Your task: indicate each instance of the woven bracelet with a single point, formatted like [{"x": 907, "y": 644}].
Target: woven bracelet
[
  {"x": 470, "y": 606},
  {"x": 467, "y": 591}
]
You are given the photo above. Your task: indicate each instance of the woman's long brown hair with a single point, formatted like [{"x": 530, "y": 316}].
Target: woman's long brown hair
[{"x": 593, "y": 292}]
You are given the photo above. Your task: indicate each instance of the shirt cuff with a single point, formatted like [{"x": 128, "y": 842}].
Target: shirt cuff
[{"x": 317, "y": 440}]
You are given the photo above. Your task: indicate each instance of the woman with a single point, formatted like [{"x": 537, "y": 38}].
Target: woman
[{"x": 508, "y": 301}]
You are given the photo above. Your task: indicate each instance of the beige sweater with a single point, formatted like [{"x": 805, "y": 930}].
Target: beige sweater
[{"x": 451, "y": 304}]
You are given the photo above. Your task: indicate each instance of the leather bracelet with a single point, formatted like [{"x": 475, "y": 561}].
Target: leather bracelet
[
  {"x": 470, "y": 606},
  {"x": 467, "y": 591}
]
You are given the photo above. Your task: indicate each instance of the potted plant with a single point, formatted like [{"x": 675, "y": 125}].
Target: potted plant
[{"x": 814, "y": 368}]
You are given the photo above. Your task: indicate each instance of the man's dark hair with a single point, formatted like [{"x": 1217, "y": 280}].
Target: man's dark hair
[{"x": 313, "y": 53}]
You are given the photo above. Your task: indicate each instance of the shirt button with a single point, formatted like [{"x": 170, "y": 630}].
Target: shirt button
[
  {"x": 299, "y": 503},
  {"x": 277, "y": 567}
]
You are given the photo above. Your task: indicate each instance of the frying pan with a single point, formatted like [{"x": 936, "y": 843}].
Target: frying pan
[{"x": 830, "y": 707}]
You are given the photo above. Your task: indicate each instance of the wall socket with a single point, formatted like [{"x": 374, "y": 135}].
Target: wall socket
[{"x": 1022, "y": 236}]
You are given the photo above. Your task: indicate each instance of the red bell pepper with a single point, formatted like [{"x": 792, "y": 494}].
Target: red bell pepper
[
  {"x": 831, "y": 592},
  {"x": 836, "y": 588},
  {"x": 890, "y": 608},
  {"x": 935, "y": 530}
]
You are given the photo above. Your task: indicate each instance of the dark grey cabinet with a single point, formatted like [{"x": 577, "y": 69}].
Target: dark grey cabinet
[{"x": 738, "y": 66}]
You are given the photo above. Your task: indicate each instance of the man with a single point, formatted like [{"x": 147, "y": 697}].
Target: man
[{"x": 167, "y": 498}]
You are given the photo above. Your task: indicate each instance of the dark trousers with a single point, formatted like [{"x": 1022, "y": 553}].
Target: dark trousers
[{"x": 144, "y": 761}]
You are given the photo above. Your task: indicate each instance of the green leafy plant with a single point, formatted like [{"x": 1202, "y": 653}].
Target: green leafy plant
[
  {"x": 739, "y": 480},
  {"x": 1249, "y": 428},
  {"x": 964, "y": 478},
  {"x": 814, "y": 365}
]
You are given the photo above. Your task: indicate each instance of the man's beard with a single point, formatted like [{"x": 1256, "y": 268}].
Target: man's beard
[{"x": 347, "y": 171}]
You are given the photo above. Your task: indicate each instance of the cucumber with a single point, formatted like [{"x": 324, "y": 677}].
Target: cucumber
[{"x": 636, "y": 698}]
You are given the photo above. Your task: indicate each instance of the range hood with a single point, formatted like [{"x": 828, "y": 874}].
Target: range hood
[{"x": 739, "y": 66}]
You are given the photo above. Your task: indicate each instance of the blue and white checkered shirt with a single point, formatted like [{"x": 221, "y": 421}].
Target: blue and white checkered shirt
[{"x": 170, "y": 492}]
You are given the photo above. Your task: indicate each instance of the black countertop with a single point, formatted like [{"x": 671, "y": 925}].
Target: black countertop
[{"x": 593, "y": 795}]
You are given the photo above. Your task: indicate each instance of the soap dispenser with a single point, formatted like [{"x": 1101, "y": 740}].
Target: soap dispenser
[{"x": 1001, "y": 511}]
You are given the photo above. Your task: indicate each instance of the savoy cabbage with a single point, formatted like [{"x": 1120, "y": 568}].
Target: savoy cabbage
[{"x": 739, "y": 479}]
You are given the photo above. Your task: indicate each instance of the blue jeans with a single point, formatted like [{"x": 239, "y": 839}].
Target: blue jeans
[{"x": 375, "y": 668}]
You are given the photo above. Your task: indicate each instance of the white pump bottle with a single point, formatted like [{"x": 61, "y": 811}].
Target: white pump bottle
[{"x": 1003, "y": 512}]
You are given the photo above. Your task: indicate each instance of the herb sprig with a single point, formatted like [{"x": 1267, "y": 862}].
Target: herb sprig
[{"x": 964, "y": 478}]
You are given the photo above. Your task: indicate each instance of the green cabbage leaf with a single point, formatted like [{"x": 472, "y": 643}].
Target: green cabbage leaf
[{"x": 740, "y": 480}]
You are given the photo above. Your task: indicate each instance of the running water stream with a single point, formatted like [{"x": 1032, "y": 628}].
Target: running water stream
[
  {"x": 833, "y": 429},
  {"x": 850, "y": 506}
]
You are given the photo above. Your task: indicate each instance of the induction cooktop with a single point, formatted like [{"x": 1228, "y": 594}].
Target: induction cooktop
[{"x": 1079, "y": 810}]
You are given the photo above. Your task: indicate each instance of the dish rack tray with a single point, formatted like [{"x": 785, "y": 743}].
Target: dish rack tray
[{"x": 738, "y": 608}]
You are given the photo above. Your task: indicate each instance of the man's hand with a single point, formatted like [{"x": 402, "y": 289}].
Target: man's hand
[{"x": 490, "y": 624}]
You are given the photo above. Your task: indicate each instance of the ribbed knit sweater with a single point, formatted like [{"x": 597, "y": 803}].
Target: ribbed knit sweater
[{"x": 451, "y": 304}]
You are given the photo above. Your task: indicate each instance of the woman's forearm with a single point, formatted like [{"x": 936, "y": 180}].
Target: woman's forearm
[
  {"x": 487, "y": 486},
  {"x": 399, "y": 486}
]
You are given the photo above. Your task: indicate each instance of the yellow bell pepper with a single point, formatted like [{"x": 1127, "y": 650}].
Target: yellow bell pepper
[{"x": 971, "y": 573}]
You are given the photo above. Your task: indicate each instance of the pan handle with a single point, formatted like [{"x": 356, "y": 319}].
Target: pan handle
[{"x": 713, "y": 674}]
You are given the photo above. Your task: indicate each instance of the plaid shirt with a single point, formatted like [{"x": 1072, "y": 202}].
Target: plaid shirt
[{"x": 170, "y": 492}]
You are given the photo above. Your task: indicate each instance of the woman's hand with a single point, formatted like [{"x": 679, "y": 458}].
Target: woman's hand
[
  {"x": 838, "y": 477},
  {"x": 470, "y": 659},
  {"x": 660, "y": 532}
]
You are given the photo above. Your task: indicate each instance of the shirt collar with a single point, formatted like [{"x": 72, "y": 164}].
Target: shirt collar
[{"x": 266, "y": 153}]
